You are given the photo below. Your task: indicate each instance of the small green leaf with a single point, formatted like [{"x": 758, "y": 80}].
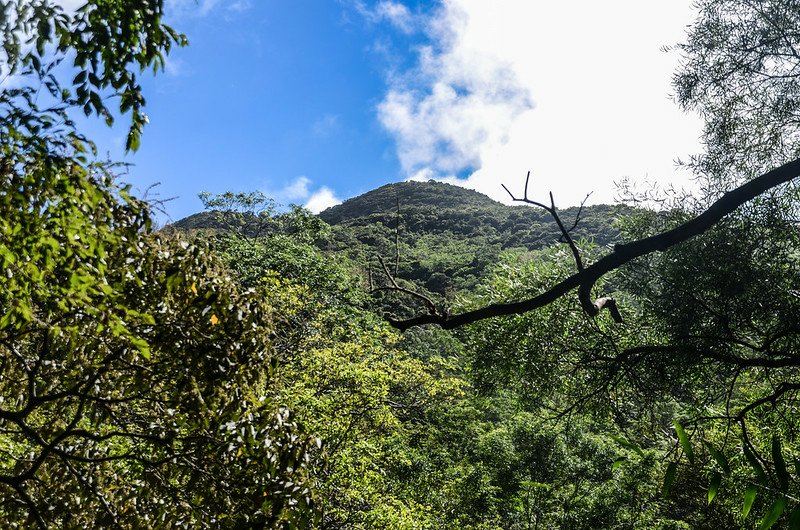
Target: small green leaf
[
  {"x": 719, "y": 458},
  {"x": 755, "y": 464},
  {"x": 6, "y": 319},
  {"x": 173, "y": 280},
  {"x": 669, "y": 478},
  {"x": 773, "y": 514},
  {"x": 142, "y": 346},
  {"x": 749, "y": 497},
  {"x": 684, "y": 439},
  {"x": 628, "y": 445},
  {"x": 535, "y": 485},
  {"x": 780, "y": 464},
  {"x": 794, "y": 519},
  {"x": 618, "y": 462},
  {"x": 133, "y": 141},
  {"x": 713, "y": 487}
]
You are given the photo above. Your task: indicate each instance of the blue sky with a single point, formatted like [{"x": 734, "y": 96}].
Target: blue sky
[{"x": 316, "y": 101}]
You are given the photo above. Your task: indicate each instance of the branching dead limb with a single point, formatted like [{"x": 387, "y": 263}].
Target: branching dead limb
[
  {"x": 584, "y": 292},
  {"x": 429, "y": 304},
  {"x": 566, "y": 237},
  {"x": 586, "y": 278}
]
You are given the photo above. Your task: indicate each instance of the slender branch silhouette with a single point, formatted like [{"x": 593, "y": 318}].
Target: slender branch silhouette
[{"x": 622, "y": 254}]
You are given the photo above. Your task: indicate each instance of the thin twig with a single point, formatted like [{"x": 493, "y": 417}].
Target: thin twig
[
  {"x": 397, "y": 287},
  {"x": 585, "y": 290},
  {"x": 580, "y": 210}
]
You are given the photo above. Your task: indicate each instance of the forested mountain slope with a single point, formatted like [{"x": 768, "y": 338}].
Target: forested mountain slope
[
  {"x": 437, "y": 235},
  {"x": 438, "y": 208},
  {"x": 247, "y": 376},
  {"x": 445, "y": 235}
]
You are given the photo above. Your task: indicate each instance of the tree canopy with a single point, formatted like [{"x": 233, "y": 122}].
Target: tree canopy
[
  {"x": 243, "y": 375},
  {"x": 135, "y": 377}
]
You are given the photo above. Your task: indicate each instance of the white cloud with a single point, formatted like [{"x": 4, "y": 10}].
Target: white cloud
[
  {"x": 322, "y": 199},
  {"x": 300, "y": 191},
  {"x": 174, "y": 67},
  {"x": 423, "y": 175},
  {"x": 297, "y": 190},
  {"x": 240, "y": 5},
  {"x": 205, "y": 6},
  {"x": 202, "y": 8},
  {"x": 395, "y": 13},
  {"x": 576, "y": 92}
]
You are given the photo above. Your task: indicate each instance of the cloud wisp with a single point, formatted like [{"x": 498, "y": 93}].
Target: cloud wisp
[
  {"x": 299, "y": 191},
  {"x": 322, "y": 199},
  {"x": 202, "y": 8},
  {"x": 395, "y": 13}
]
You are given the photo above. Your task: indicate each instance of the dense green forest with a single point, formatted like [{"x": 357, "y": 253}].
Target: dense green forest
[
  {"x": 439, "y": 236},
  {"x": 246, "y": 368}
]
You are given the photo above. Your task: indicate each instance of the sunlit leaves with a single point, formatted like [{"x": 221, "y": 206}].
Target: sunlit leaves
[
  {"x": 713, "y": 486},
  {"x": 108, "y": 43},
  {"x": 686, "y": 444},
  {"x": 773, "y": 513},
  {"x": 750, "y": 494},
  {"x": 114, "y": 385},
  {"x": 135, "y": 379}
]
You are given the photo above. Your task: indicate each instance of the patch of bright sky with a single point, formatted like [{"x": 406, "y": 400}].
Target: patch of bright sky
[{"x": 315, "y": 101}]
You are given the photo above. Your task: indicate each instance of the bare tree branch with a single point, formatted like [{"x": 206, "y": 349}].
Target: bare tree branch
[
  {"x": 584, "y": 292},
  {"x": 584, "y": 295},
  {"x": 580, "y": 211},
  {"x": 622, "y": 254},
  {"x": 397, "y": 287}
]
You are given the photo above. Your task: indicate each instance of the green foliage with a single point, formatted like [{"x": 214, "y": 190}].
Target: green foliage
[
  {"x": 750, "y": 495},
  {"x": 739, "y": 71},
  {"x": 447, "y": 235},
  {"x": 466, "y": 455},
  {"x": 406, "y": 440},
  {"x": 253, "y": 215},
  {"x": 686, "y": 444},
  {"x": 342, "y": 374},
  {"x": 240, "y": 379},
  {"x": 135, "y": 380},
  {"x": 108, "y": 43}
]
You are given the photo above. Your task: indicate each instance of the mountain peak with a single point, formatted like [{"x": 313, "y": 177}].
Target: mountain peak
[{"x": 409, "y": 194}]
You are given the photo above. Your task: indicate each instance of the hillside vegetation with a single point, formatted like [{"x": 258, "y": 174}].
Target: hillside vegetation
[{"x": 444, "y": 235}]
